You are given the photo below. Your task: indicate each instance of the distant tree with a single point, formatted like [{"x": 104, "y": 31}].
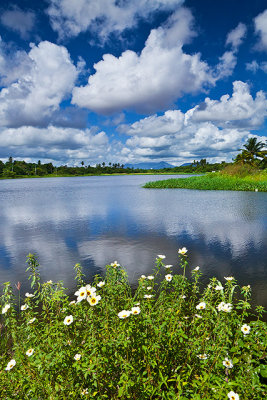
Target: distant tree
[
  {"x": 103, "y": 164},
  {"x": 82, "y": 163}
]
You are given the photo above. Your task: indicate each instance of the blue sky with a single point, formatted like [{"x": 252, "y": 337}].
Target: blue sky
[{"x": 131, "y": 80}]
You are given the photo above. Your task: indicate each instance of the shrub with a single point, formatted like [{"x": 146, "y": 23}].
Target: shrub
[{"x": 168, "y": 339}]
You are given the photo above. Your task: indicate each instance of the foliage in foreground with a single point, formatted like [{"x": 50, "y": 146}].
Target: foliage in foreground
[
  {"x": 215, "y": 181},
  {"x": 166, "y": 340}
]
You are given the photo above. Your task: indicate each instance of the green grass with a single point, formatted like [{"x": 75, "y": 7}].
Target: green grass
[
  {"x": 215, "y": 181},
  {"x": 172, "y": 338}
]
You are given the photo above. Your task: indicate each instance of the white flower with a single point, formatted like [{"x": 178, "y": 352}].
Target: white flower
[
  {"x": 137, "y": 304},
  {"x": 201, "y": 306},
  {"x": 245, "y": 329},
  {"x": 24, "y": 307},
  {"x": 219, "y": 287},
  {"x": 196, "y": 269},
  {"x": 90, "y": 290},
  {"x": 228, "y": 363},
  {"x": 143, "y": 277},
  {"x": 135, "y": 310},
  {"x": 182, "y": 251},
  {"x": 29, "y": 352},
  {"x": 84, "y": 392},
  {"x": 124, "y": 314},
  {"x": 29, "y": 295},
  {"x": 229, "y": 278},
  {"x": 150, "y": 277},
  {"x": 72, "y": 302},
  {"x": 10, "y": 365},
  {"x": 100, "y": 284},
  {"x": 233, "y": 396},
  {"x": 31, "y": 320},
  {"x": 115, "y": 264},
  {"x": 77, "y": 357},
  {"x": 148, "y": 296},
  {"x": 198, "y": 316},
  {"x": 168, "y": 277},
  {"x": 149, "y": 288},
  {"x": 202, "y": 356},
  {"x": 161, "y": 256},
  {"x": 5, "y": 308},
  {"x": 183, "y": 296},
  {"x": 227, "y": 307},
  {"x": 68, "y": 320},
  {"x": 49, "y": 282},
  {"x": 168, "y": 266},
  {"x": 81, "y": 293},
  {"x": 93, "y": 300}
]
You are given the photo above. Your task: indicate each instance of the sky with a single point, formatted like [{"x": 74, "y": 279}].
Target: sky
[{"x": 131, "y": 81}]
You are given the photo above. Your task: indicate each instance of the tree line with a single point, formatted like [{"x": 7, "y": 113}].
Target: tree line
[{"x": 253, "y": 154}]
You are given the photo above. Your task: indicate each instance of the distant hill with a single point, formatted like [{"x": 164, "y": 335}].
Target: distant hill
[{"x": 150, "y": 165}]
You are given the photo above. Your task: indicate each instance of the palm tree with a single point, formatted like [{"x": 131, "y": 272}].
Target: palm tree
[
  {"x": 253, "y": 147},
  {"x": 253, "y": 151}
]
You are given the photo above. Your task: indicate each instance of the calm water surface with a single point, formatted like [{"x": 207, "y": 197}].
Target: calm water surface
[{"x": 96, "y": 220}]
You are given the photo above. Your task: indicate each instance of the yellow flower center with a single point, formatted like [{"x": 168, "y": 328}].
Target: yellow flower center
[{"x": 93, "y": 300}]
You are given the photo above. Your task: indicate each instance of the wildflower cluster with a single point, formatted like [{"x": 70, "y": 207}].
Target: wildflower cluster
[{"x": 113, "y": 342}]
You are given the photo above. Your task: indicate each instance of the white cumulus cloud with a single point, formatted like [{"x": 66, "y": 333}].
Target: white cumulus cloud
[
  {"x": 44, "y": 78},
  {"x": 70, "y": 18},
  {"x": 214, "y": 129},
  {"x": 261, "y": 29},
  {"x": 154, "y": 79}
]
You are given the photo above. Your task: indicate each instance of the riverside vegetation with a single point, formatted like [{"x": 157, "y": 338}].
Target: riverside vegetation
[
  {"x": 237, "y": 177},
  {"x": 171, "y": 338}
]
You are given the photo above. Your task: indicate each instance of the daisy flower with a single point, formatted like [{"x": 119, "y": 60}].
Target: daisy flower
[
  {"x": 93, "y": 300},
  {"x": 219, "y": 287},
  {"x": 196, "y": 269},
  {"x": 182, "y": 251},
  {"x": 149, "y": 288},
  {"x": 245, "y": 329},
  {"x": 24, "y": 307},
  {"x": 201, "y": 306},
  {"x": 77, "y": 357},
  {"x": 31, "y": 320},
  {"x": 29, "y": 352},
  {"x": 29, "y": 295},
  {"x": 68, "y": 320},
  {"x": 90, "y": 290},
  {"x": 148, "y": 296},
  {"x": 227, "y": 307},
  {"x": 229, "y": 278},
  {"x": 233, "y": 396},
  {"x": 10, "y": 365},
  {"x": 168, "y": 266},
  {"x": 100, "y": 284},
  {"x": 5, "y": 308},
  {"x": 124, "y": 314},
  {"x": 161, "y": 256},
  {"x": 202, "y": 356},
  {"x": 168, "y": 277},
  {"x": 115, "y": 264},
  {"x": 135, "y": 310},
  {"x": 228, "y": 363},
  {"x": 150, "y": 277},
  {"x": 81, "y": 294}
]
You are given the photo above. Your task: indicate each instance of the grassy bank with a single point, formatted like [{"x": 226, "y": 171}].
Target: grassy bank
[
  {"x": 215, "y": 181},
  {"x": 170, "y": 339}
]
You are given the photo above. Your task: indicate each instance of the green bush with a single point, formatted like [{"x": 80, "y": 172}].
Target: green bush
[{"x": 168, "y": 339}]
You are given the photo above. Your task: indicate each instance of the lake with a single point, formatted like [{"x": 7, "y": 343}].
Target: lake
[{"x": 97, "y": 220}]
